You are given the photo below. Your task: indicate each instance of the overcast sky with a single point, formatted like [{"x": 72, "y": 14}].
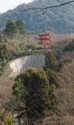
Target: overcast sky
[{"x": 10, "y": 4}]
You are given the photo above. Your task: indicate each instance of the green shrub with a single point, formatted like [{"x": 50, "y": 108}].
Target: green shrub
[{"x": 69, "y": 47}]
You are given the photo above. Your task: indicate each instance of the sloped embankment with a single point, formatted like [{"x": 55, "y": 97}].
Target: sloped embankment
[{"x": 19, "y": 65}]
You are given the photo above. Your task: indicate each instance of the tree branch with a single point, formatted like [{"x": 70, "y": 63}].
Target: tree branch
[{"x": 48, "y": 7}]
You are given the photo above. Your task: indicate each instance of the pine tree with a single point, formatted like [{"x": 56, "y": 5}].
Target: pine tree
[
  {"x": 21, "y": 27},
  {"x": 11, "y": 28}
]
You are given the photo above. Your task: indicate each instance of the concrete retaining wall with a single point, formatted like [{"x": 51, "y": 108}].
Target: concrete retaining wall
[{"x": 19, "y": 65}]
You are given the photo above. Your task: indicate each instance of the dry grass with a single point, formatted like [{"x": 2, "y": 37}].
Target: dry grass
[
  {"x": 5, "y": 89},
  {"x": 65, "y": 96}
]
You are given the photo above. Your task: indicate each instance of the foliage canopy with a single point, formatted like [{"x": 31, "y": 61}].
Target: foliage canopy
[
  {"x": 11, "y": 28},
  {"x": 69, "y": 47},
  {"x": 14, "y": 27},
  {"x": 33, "y": 89}
]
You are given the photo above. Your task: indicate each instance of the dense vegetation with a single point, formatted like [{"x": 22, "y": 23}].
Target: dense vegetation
[
  {"x": 14, "y": 27},
  {"x": 36, "y": 91},
  {"x": 39, "y": 95},
  {"x": 57, "y": 92},
  {"x": 5, "y": 117},
  {"x": 4, "y": 57},
  {"x": 69, "y": 47},
  {"x": 33, "y": 89},
  {"x": 56, "y": 19}
]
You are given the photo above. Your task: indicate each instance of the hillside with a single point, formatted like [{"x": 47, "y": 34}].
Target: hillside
[
  {"x": 55, "y": 19},
  {"x": 65, "y": 101}
]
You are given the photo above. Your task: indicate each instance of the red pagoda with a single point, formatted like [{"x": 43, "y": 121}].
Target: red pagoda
[{"x": 44, "y": 40}]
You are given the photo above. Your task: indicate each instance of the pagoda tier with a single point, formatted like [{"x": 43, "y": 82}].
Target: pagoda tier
[{"x": 44, "y": 40}]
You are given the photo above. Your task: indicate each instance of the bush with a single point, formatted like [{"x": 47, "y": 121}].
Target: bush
[
  {"x": 51, "y": 60},
  {"x": 69, "y": 47},
  {"x": 34, "y": 91}
]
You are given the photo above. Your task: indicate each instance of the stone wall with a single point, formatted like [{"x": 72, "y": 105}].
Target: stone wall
[{"x": 19, "y": 65}]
